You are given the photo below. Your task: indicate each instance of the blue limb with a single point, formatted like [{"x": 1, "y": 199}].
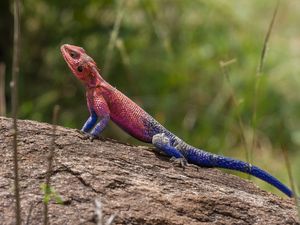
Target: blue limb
[
  {"x": 162, "y": 142},
  {"x": 202, "y": 158},
  {"x": 90, "y": 123},
  {"x": 100, "y": 126}
]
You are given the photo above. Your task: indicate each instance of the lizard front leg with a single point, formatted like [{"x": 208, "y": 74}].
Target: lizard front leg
[
  {"x": 100, "y": 126},
  {"x": 102, "y": 111},
  {"x": 90, "y": 123}
]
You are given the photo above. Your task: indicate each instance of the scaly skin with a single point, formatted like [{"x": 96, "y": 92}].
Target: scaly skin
[{"x": 106, "y": 102}]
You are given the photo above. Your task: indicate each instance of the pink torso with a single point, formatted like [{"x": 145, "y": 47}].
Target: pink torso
[{"x": 125, "y": 113}]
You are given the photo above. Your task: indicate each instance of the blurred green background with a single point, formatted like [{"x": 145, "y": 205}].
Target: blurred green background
[{"x": 167, "y": 56}]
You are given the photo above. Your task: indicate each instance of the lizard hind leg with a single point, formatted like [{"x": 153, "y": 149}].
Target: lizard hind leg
[{"x": 163, "y": 143}]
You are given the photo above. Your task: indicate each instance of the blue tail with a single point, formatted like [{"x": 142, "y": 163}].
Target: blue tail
[{"x": 202, "y": 158}]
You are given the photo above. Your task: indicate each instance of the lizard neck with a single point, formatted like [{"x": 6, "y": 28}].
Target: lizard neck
[{"x": 96, "y": 80}]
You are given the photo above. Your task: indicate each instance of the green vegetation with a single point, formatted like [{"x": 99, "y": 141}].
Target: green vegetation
[
  {"x": 50, "y": 193},
  {"x": 166, "y": 56}
]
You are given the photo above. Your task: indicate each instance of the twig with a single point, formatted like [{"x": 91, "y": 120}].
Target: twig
[
  {"x": 32, "y": 206},
  {"x": 50, "y": 162},
  {"x": 2, "y": 90},
  {"x": 14, "y": 87},
  {"x": 291, "y": 178},
  {"x": 113, "y": 37},
  {"x": 99, "y": 214},
  {"x": 110, "y": 219},
  {"x": 258, "y": 75}
]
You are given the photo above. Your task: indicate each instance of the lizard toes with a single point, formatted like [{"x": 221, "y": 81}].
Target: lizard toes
[
  {"x": 182, "y": 162},
  {"x": 93, "y": 137},
  {"x": 87, "y": 136},
  {"x": 80, "y": 131}
]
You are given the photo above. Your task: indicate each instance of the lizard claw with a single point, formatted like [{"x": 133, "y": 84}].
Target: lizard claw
[
  {"x": 93, "y": 137},
  {"x": 90, "y": 137},
  {"x": 80, "y": 131},
  {"x": 83, "y": 135},
  {"x": 86, "y": 136},
  {"x": 182, "y": 162}
]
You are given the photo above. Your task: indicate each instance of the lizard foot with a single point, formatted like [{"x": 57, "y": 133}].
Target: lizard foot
[
  {"x": 86, "y": 136},
  {"x": 93, "y": 137},
  {"x": 182, "y": 162},
  {"x": 82, "y": 135},
  {"x": 80, "y": 131}
]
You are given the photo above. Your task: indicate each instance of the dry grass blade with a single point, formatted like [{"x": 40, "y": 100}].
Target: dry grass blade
[
  {"x": 123, "y": 52},
  {"x": 266, "y": 41},
  {"x": 98, "y": 211},
  {"x": 113, "y": 37},
  {"x": 2, "y": 90},
  {"x": 258, "y": 74},
  {"x": 159, "y": 29},
  {"x": 32, "y": 206},
  {"x": 99, "y": 214},
  {"x": 126, "y": 61},
  {"x": 291, "y": 178},
  {"x": 223, "y": 66},
  {"x": 14, "y": 87},
  {"x": 50, "y": 162},
  {"x": 110, "y": 219}
]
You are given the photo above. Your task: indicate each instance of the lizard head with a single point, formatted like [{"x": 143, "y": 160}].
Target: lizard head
[{"x": 81, "y": 65}]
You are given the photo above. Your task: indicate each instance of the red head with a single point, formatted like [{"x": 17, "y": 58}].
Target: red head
[{"x": 82, "y": 66}]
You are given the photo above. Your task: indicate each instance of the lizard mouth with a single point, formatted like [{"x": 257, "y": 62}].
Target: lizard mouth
[
  {"x": 69, "y": 60},
  {"x": 64, "y": 53}
]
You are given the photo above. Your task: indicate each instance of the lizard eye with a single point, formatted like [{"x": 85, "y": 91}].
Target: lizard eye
[
  {"x": 73, "y": 54},
  {"x": 79, "y": 68}
]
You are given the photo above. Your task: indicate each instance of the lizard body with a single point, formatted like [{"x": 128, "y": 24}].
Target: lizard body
[{"x": 106, "y": 102}]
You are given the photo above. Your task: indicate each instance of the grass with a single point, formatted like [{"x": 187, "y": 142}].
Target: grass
[
  {"x": 236, "y": 105},
  {"x": 15, "y": 104},
  {"x": 48, "y": 191},
  {"x": 257, "y": 79},
  {"x": 114, "y": 36},
  {"x": 2, "y": 90},
  {"x": 292, "y": 181}
]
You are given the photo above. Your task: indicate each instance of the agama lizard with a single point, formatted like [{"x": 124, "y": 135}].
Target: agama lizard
[{"x": 106, "y": 102}]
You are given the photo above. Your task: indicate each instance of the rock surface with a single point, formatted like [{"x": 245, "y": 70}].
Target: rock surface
[{"x": 136, "y": 184}]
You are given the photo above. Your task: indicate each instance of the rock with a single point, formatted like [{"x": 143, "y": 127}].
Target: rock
[{"x": 135, "y": 183}]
